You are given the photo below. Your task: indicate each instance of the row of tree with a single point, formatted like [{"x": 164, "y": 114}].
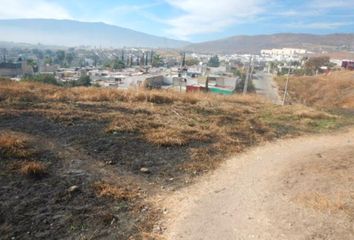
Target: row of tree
[
  {"x": 308, "y": 65},
  {"x": 50, "y": 79},
  {"x": 122, "y": 62}
]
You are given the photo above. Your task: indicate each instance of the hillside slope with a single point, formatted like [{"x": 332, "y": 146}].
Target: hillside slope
[
  {"x": 335, "y": 90},
  {"x": 74, "y": 33},
  {"x": 89, "y": 163},
  {"x": 253, "y": 44}
]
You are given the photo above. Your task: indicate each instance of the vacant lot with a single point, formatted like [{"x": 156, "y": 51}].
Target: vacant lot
[
  {"x": 85, "y": 162},
  {"x": 330, "y": 91}
]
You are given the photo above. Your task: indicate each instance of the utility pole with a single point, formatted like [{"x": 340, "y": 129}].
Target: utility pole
[
  {"x": 146, "y": 58},
  {"x": 286, "y": 87},
  {"x": 151, "y": 57},
  {"x": 122, "y": 56},
  {"x": 183, "y": 60},
  {"x": 245, "y": 87}
]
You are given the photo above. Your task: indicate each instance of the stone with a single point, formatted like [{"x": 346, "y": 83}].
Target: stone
[
  {"x": 73, "y": 189},
  {"x": 144, "y": 170}
]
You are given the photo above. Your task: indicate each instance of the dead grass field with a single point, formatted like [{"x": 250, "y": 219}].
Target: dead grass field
[
  {"x": 85, "y": 135},
  {"x": 334, "y": 90}
]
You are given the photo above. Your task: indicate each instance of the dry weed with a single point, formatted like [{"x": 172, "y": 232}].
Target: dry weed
[
  {"x": 104, "y": 189},
  {"x": 324, "y": 202},
  {"x": 335, "y": 90},
  {"x": 14, "y": 144},
  {"x": 33, "y": 169}
]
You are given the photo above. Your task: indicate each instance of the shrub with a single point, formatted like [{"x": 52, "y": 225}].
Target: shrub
[
  {"x": 42, "y": 78},
  {"x": 84, "y": 81}
]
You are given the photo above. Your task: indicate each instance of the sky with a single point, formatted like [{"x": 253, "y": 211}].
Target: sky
[{"x": 196, "y": 20}]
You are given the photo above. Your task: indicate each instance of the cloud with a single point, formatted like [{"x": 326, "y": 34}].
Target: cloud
[
  {"x": 11, "y": 9},
  {"x": 316, "y": 8},
  {"x": 207, "y": 16},
  {"x": 319, "y": 25},
  {"x": 128, "y": 9},
  {"x": 320, "y": 4}
]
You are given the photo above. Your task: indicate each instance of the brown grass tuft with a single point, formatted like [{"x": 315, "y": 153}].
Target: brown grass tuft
[
  {"x": 104, "y": 189},
  {"x": 322, "y": 202},
  {"x": 14, "y": 144},
  {"x": 167, "y": 137},
  {"x": 33, "y": 169},
  {"x": 152, "y": 236}
]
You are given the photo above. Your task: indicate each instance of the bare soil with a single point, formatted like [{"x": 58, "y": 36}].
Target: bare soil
[{"x": 291, "y": 189}]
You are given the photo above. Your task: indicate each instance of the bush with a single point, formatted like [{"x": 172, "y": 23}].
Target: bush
[
  {"x": 214, "y": 61},
  {"x": 83, "y": 81},
  {"x": 42, "y": 78}
]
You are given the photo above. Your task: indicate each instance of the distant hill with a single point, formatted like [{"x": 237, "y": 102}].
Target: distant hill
[
  {"x": 253, "y": 44},
  {"x": 73, "y": 33}
]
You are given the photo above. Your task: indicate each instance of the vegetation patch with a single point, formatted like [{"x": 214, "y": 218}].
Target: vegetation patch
[
  {"x": 327, "y": 91},
  {"x": 104, "y": 189},
  {"x": 33, "y": 169},
  {"x": 153, "y": 139},
  {"x": 14, "y": 145}
]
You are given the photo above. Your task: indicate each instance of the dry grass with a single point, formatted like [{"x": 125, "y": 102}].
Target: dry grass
[
  {"x": 151, "y": 236},
  {"x": 174, "y": 135},
  {"x": 33, "y": 92},
  {"x": 324, "y": 202},
  {"x": 335, "y": 90},
  {"x": 33, "y": 169},
  {"x": 208, "y": 127},
  {"x": 107, "y": 190},
  {"x": 14, "y": 145},
  {"x": 313, "y": 114}
]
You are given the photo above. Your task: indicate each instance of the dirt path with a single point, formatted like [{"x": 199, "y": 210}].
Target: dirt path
[
  {"x": 266, "y": 87},
  {"x": 292, "y": 189}
]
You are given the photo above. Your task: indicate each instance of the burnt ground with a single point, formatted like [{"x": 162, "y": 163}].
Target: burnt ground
[
  {"x": 77, "y": 142},
  {"x": 78, "y": 153}
]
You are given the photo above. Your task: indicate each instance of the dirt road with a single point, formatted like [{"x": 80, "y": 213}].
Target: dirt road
[
  {"x": 265, "y": 86},
  {"x": 292, "y": 189}
]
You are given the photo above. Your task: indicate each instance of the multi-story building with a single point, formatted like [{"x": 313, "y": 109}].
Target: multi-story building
[{"x": 283, "y": 54}]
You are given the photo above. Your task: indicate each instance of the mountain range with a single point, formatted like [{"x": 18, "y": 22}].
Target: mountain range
[
  {"x": 253, "y": 44},
  {"x": 71, "y": 33}
]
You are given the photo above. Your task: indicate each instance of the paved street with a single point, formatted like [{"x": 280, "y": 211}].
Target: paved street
[{"x": 266, "y": 87}]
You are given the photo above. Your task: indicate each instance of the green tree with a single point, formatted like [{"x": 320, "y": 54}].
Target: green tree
[
  {"x": 157, "y": 61},
  {"x": 118, "y": 64},
  {"x": 48, "y": 60},
  {"x": 191, "y": 61},
  {"x": 214, "y": 61},
  {"x": 39, "y": 54},
  {"x": 84, "y": 81},
  {"x": 70, "y": 57},
  {"x": 42, "y": 78},
  {"x": 31, "y": 62},
  {"x": 60, "y": 56},
  {"x": 314, "y": 64}
]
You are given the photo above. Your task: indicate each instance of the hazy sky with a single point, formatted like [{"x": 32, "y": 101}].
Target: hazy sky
[{"x": 196, "y": 20}]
